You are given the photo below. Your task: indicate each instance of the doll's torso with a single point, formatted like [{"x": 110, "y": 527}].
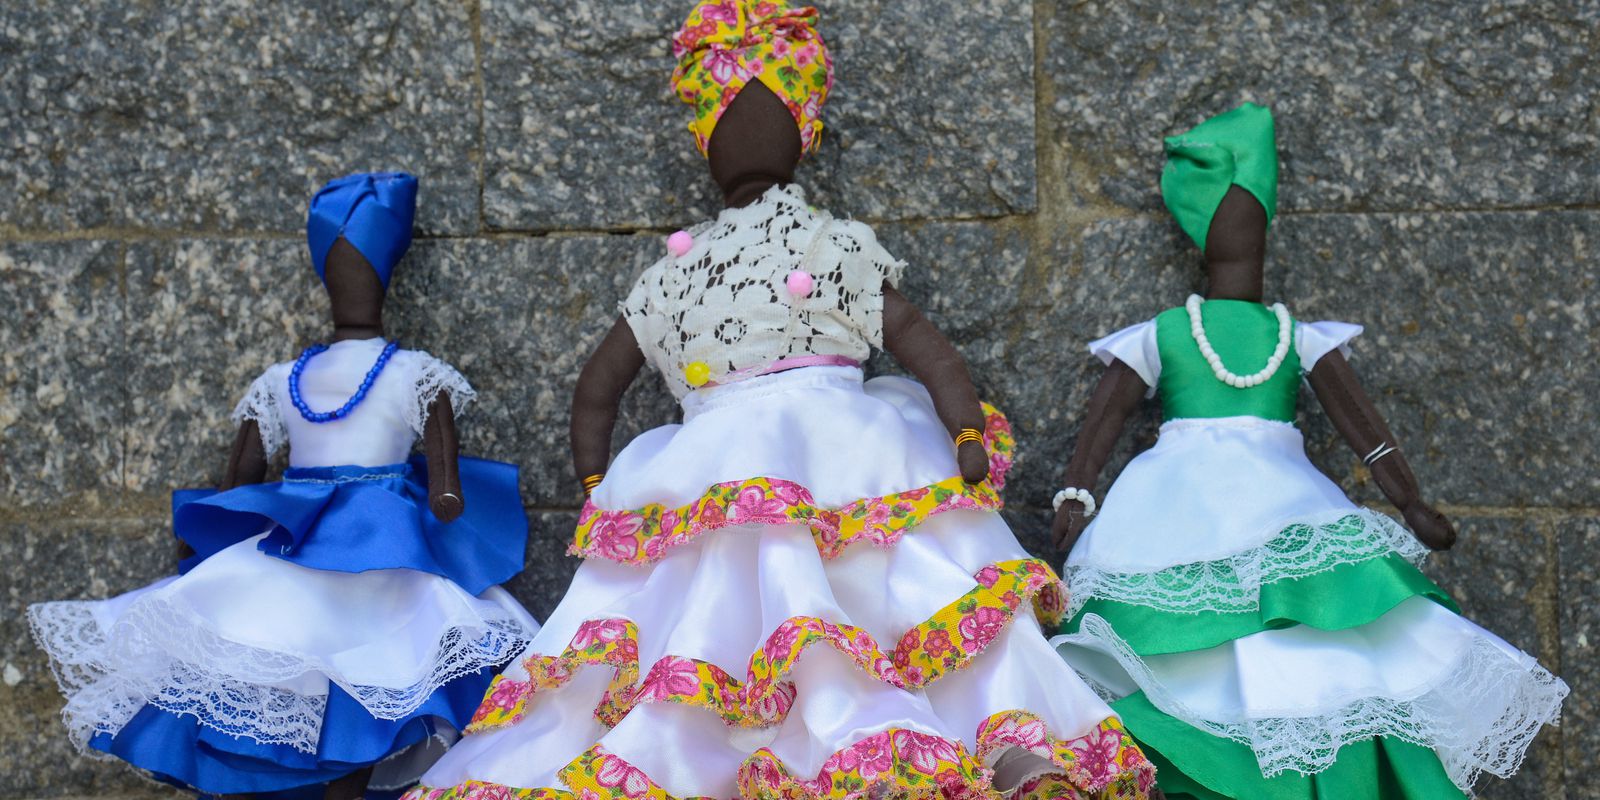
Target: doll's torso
[
  {"x": 381, "y": 430},
  {"x": 1244, "y": 335},
  {"x": 728, "y": 304}
]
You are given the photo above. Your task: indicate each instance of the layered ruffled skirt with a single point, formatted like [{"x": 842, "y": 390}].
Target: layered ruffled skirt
[
  {"x": 1263, "y": 637},
  {"x": 325, "y": 625},
  {"x": 790, "y": 595}
]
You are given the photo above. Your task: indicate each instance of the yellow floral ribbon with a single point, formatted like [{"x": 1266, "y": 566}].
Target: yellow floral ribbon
[
  {"x": 643, "y": 536},
  {"x": 946, "y": 642},
  {"x": 1103, "y": 764}
]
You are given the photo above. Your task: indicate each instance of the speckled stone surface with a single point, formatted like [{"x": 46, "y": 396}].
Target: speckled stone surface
[
  {"x": 583, "y": 130},
  {"x": 81, "y": 559},
  {"x": 1579, "y": 551},
  {"x": 62, "y": 404},
  {"x": 228, "y": 115},
  {"x": 1440, "y": 186},
  {"x": 1380, "y": 106}
]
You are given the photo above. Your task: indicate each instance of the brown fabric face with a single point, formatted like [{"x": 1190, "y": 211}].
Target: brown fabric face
[{"x": 755, "y": 146}]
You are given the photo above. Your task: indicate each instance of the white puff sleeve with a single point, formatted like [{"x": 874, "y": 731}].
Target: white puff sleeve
[
  {"x": 260, "y": 405},
  {"x": 868, "y": 268},
  {"x": 1135, "y": 346},
  {"x": 1313, "y": 340},
  {"x": 429, "y": 377}
]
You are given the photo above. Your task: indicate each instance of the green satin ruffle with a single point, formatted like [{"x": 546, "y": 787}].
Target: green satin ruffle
[
  {"x": 1191, "y": 763},
  {"x": 1347, "y": 596}
]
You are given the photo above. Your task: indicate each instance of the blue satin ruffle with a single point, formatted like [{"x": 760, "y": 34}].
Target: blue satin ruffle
[
  {"x": 178, "y": 750},
  {"x": 355, "y": 519}
]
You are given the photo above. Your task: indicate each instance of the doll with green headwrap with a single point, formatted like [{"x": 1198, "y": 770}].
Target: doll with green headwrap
[{"x": 1264, "y": 636}]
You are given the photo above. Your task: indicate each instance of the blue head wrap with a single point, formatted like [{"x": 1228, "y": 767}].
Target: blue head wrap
[{"x": 372, "y": 211}]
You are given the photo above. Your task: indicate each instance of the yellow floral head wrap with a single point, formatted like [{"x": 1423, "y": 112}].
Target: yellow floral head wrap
[{"x": 727, "y": 43}]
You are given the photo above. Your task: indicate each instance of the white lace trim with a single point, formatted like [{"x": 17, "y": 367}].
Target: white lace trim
[
  {"x": 430, "y": 377},
  {"x": 1233, "y": 584},
  {"x": 161, "y": 654},
  {"x": 725, "y": 302},
  {"x": 260, "y": 404},
  {"x": 1432, "y": 719}
]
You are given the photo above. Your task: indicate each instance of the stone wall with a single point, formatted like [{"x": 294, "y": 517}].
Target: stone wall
[{"x": 1440, "y": 186}]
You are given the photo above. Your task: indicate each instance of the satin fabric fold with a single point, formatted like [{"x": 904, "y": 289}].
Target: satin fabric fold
[
  {"x": 356, "y": 519},
  {"x": 1195, "y": 765},
  {"x": 178, "y": 750},
  {"x": 730, "y": 599},
  {"x": 1344, "y": 597}
]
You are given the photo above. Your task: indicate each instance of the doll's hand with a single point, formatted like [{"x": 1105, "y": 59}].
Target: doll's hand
[
  {"x": 1429, "y": 526},
  {"x": 446, "y": 506},
  {"x": 974, "y": 461},
  {"x": 183, "y": 551},
  {"x": 1069, "y": 524}
]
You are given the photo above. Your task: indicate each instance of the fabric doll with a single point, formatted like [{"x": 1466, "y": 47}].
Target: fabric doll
[
  {"x": 1265, "y": 636},
  {"x": 804, "y": 590},
  {"x": 329, "y": 621}
]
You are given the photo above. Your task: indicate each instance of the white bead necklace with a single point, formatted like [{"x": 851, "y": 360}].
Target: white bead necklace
[{"x": 1279, "y": 353}]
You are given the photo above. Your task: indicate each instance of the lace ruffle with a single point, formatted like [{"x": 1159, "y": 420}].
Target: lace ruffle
[
  {"x": 644, "y": 536},
  {"x": 1311, "y": 744},
  {"x": 430, "y": 376},
  {"x": 161, "y": 654},
  {"x": 260, "y": 405},
  {"x": 895, "y": 764},
  {"x": 944, "y": 643},
  {"x": 725, "y": 303},
  {"x": 1233, "y": 584}
]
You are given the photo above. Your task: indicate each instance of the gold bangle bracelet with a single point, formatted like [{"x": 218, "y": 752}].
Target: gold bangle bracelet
[
  {"x": 590, "y": 482},
  {"x": 969, "y": 435}
]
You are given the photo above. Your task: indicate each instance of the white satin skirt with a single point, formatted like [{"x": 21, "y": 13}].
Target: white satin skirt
[
  {"x": 249, "y": 645},
  {"x": 788, "y": 595},
  {"x": 1217, "y": 511}
]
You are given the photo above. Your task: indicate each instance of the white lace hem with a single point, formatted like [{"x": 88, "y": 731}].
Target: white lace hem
[
  {"x": 260, "y": 405},
  {"x": 159, "y": 654},
  {"x": 1308, "y": 546},
  {"x": 431, "y": 377},
  {"x": 1430, "y": 719}
]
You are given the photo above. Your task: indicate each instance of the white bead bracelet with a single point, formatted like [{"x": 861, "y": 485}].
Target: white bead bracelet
[{"x": 1073, "y": 493}]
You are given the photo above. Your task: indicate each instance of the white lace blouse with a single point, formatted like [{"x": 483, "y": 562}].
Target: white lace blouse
[
  {"x": 726, "y": 303},
  {"x": 378, "y": 432}
]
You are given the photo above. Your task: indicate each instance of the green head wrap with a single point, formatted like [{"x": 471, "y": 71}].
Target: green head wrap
[{"x": 1239, "y": 147}]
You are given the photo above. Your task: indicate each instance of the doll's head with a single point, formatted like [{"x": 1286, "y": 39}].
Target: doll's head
[
  {"x": 358, "y": 229},
  {"x": 1221, "y": 182},
  {"x": 730, "y": 46}
]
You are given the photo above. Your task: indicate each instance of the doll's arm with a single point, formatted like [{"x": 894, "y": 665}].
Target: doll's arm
[
  {"x": 440, "y": 444},
  {"x": 247, "y": 463},
  {"x": 604, "y": 379},
  {"x": 917, "y": 344},
  {"x": 1114, "y": 399},
  {"x": 1356, "y": 419}
]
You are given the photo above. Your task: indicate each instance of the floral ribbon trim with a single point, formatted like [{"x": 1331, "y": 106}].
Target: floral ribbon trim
[
  {"x": 896, "y": 764},
  {"x": 644, "y": 535},
  {"x": 1105, "y": 763},
  {"x": 946, "y": 642}
]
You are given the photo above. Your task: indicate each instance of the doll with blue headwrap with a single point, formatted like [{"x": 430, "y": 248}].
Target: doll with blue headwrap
[
  {"x": 329, "y": 627},
  {"x": 1262, "y": 635}
]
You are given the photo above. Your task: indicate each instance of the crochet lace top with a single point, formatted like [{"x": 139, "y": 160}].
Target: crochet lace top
[{"x": 732, "y": 306}]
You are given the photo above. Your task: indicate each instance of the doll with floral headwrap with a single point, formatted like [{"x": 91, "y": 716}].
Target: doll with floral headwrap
[
  {"x": 334, "y": 622},
  {"x": 804, "y": 590},
  {"x": 1268, "y": 638}
]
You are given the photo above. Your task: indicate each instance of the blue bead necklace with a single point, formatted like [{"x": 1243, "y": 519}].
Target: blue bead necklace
[{"x": 355, "y": 399}]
